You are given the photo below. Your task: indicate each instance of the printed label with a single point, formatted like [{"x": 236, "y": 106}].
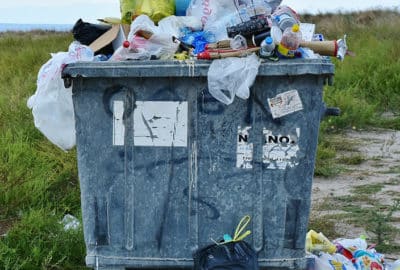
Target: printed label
[
  {"x": 280, "y": 151},
  {"x": 118, "y": 123},
  {"x": 244, "y": 153},
  {"x": 160, "y": 123},
  {"x": 285, "y": 103}
]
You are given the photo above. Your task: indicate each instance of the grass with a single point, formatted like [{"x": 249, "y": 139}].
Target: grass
[
  {"x": 361, "y": 209},
  {"x": 39, "y": 182}
]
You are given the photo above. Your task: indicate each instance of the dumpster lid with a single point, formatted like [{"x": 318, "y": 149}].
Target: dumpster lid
[{"x": 190, "y": 68}]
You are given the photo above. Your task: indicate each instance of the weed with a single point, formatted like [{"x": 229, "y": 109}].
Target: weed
[
  {"x": 356, "y": 159},
  {"x": 379, "y": 223},
  {"x": 392, "y": 170},
  {"x": 368, "y": 189},
  {"x": 393, "y": 182},
  {"x": 323, "y": 224}
]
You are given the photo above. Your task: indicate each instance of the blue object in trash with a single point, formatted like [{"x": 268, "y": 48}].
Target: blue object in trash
[
  {"x": 198, "y": 40},
  {"x": 181, "y": 6}
]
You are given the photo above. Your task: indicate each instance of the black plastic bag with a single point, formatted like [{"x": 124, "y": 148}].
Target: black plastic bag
[
  {"x": 231, "y": 255},
  {"x": 86, "y": 33}
]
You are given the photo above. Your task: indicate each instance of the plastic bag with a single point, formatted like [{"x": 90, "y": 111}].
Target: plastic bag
[
  {"x": 325, "y": 261},
  {"x": 352, "y": 244},
  {"x": 155, "y": 9},
  {"x": 316, "y": 242},
  {"x": 127, "y": 8},
  {"x": 233, "y": 255},
  {"x": 146, "y": 38},
  {"x": 51, "y": 104},
  {"x": 214, "y": 9},
  {"x": 215, "y": 15},
  {"x": 273, "y": 4},
  {"x": 368, "y": 260},
  {"x": 173, "y": 25},
  {"x": 232, "y": 76}
]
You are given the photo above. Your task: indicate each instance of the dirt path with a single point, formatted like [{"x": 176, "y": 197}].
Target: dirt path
[{"x": 379, "y": 170}]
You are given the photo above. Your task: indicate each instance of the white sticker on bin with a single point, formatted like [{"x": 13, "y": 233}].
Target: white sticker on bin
[
  {"x": 285, "y": 103},
  {"x": 244, "y": 153},
  {"x": 118, "y": 123},
  {"x": 280, "y": 151},
  {"x": 160, "y": 123}
]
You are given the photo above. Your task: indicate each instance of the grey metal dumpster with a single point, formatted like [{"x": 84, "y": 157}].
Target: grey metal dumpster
[{"x": 164, "y": 167}]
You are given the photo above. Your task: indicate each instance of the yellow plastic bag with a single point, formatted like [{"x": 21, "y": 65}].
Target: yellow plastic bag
[
  {"x": 318, "y": 242},
  {"x": 127, "y": 8},
  {"x": 155, "y": 9}
]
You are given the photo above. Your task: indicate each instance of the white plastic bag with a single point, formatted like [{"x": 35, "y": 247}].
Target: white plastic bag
[
  {"x": 326, "y": 261},
  {"x": 215, "y": 15},
  {"x": 159, "y": 44},
  {"x": 206, "y": 9},
  {"x": 51, "y": 104},
  {"x": 232, "y": 76},
  {"x": 173, "y": 24}
]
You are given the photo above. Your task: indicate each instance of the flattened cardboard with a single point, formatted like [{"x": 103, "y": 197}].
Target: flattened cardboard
[{"x": 116, "y": 35}]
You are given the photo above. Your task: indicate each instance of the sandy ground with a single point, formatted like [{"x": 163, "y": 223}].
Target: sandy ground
[{"x": 381, "y": 151}]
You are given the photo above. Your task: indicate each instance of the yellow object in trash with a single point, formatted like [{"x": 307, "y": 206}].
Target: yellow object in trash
[
  {"x": 318, "y": 242},
  {"x": 155, "y": 9},
  {"x": 127, "y": 8},
  {"x": 181, "y": 56}
]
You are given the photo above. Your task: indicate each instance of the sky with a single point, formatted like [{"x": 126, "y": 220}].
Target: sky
[{"x": 69, "y": 11}]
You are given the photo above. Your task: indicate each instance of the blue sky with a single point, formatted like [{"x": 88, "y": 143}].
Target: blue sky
[{"x": 67, "y": 12}]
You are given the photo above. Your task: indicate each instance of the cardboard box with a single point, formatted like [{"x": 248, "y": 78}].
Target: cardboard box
[{"x": 116, "y": 35}]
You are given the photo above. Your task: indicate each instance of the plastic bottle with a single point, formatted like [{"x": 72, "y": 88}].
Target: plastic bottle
[
  {"x": 100, "y": 58},
  {"x": 285, "y": 17},
  {"x": 290, "y": 42},
  {"x": 267, "y": 47},
  {"x": 284, "y": 21}
]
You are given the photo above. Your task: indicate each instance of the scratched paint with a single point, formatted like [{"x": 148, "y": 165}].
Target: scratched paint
[
  {"x": 285, "y": 103},
  {"x": 160, "y": 123},
  {"x": 118, "y": 123},
  {"x": 280, "y": 150},
  {"x": 244, "y": 153}
]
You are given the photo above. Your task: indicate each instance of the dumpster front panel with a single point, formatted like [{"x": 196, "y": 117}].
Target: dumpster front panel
[{"x": 164, "y": 167}]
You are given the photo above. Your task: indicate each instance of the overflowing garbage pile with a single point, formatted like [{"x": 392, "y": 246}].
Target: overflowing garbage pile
[
  {"x": 210, "y": 30},
  {"x": 344, "y": 254},
  {"x": 236, "y": 34}
]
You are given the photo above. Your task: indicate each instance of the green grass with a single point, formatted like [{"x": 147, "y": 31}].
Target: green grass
[{"x": 39, "y": 182}]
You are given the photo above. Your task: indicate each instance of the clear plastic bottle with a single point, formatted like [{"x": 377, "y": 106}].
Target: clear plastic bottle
[
  {"x": 267, "y": 47},
  {"x": 290, "y": 42}
]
